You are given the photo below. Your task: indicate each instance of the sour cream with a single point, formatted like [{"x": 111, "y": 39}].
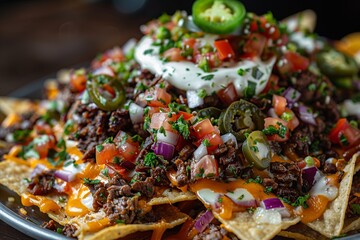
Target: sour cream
[
  {"x": 322, "y": 187},
  {"x": 186, "y": 75}
]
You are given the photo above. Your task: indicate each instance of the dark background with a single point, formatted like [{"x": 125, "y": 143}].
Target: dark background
[{"x": 39, "y": 37}]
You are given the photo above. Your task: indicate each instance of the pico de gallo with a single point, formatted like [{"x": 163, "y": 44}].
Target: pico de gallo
[{"x": 237, "y": 108}]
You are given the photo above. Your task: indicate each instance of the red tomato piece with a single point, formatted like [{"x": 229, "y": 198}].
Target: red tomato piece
[
  {"x": 279, "y": 104},
  {"x": 78, "y": 82},
  {"x": 163, "y": 120},
  {"x": 255, "y": 45},
  {"x": 224, "y": 49},
  {"x": 189, "y": 43},
  {"x": 214, "y": 140},
  {"x": 157, "y": 97},
  {"x": 44, "y": 144},
  {"x": 292, "y": 62},
  {"x": 352, "y": 136},
  {"x": 129, "y": 150},
  {"x": 277, "y": 124},
  {"x": 107, "y": 153},
  {"x": 272, "y": 84},
  {"x": 294, "y": 121},
  {"x": 202, "y": 128},
  {"x": 173, "y": 55},
  {"x": 339, "y": 128},
  {"x": 228, "y": 94}
]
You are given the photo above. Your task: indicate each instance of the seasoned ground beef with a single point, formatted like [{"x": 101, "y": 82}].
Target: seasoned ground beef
[
  {"x": 99, "y": 194},
  {"x": 122, "y": 209},
  {"x": 182, "y": 176},
  {"x": 51, "y": 225},
  {"x": 69, "y": 230},
  {"x": 353, "y": 199},
  {"x": 158, "y": 174},
  {"x": 284, "y": 180},
  {"x": 146, "y": 188},
  {"x": 42, "y": 183}
]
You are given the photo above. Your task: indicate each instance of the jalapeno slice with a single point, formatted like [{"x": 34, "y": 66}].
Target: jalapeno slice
[
  {"x": 210, "y": 112},
  {"x": 241, "y": 117},
  {"x": 256, "y": 150},
  {"x": 218, "y": 16},
  {"x": 333, "y": 63},
  {"x": 106, "y": 92}
]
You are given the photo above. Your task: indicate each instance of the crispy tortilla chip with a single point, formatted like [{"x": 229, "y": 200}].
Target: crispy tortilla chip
[
  {"x": 12, "y": 175},
  {"x": 170, "y": 216},
  {"x": 302, "y": 232},
  {"x": 351, "y": 224},
  {"x": 13, "y": 105},
  {"x": 244, "y": 226},
  {"x": 332, "y": 221},
  {"x": 170, "y": 196}
]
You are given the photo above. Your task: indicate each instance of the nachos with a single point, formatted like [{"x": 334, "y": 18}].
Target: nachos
[{"x": 224, "y": 123}]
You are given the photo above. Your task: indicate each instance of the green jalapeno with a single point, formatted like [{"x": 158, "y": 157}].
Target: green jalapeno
[
  {"x": 106, "y": 92},
  {"x": 218, "y": 16},
  {"x": 241, "y": 117},
  {"x": 210, "y": 112},
  {"x": 256, "y": 150},
  {"x": 335, "y": 64}
]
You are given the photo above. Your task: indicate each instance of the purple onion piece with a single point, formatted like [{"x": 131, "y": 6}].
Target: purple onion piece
[
  {"x": 164, "y": 149},
  {"x": 64, "y": 175},
  {"x": 291, "y": 95},
  {"x": 203, "y": 221},
  {"x": 272, "y": 113},
  {"x": 306, "y": 115},
  {"x": 271, "y": 203},
  {"x": 308, "y": 175}
]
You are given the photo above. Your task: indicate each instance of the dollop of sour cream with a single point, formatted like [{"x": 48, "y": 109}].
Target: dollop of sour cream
[{"x": 187, "y": 75}]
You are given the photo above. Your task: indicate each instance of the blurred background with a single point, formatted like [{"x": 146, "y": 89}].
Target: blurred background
[{"x": 39, "y": 37}]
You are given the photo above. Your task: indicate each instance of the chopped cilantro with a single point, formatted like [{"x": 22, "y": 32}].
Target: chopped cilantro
[
  {"x": 206, "y": 143},
  {"x": 21, "y": 135},
  {"x": 241, "y": 197},
  {"x": 201, "y": 173},
  {"x": 208, "y": 77},
  {"x": 182, "y": 127},
  {"x": 301, "y": 201},
  {"x": 268, "y": 189},
  {"x": 176, "y": 107},
  {"x": 220, "y": 200},
  {"x": 59, "y": 230},
  {"x": 355, "y": 208},
  {"x": 254, "y": 149},
  {"x": 151, "y": 160},
  {"x": 343, "y": 140},
  {"x": 91, "y": 181},
  {"x": 148, "y": 51},
  {"x": 241, "y": 72},
  {"x": 105, "y": 172},
  {"x": 202, "y": 93},
  {"x": 162, "y": 130},
  {"x": 256, "y": 180},
  {"x": 249, "y": 91},
  {"x": 312, "y": 87},
  {"x": 69, "y": 127},
  {"x": 119, "y": 221},
  {"x": 256, "y": 73},
  {"x": 109, "y": 140},
  {"x": 137, "y": 138},
  {"x": 27, "y": 180},
  {"x": 99, "y": 148},
  {"x": 271, "y": 130},
  {"x": 62, "y": 199}
]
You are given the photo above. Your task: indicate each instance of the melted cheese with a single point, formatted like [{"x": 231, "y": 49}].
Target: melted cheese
[
  {"x": 186, "y": 75},
  {"x": 45, "y": 205},
  {"x": 75, "y": 205}
]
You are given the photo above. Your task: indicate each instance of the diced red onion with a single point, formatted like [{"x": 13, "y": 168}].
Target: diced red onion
[
  {"x": 164, "y": 149},
  {"x": 291, "y": 95},
  {"x": 140, "y": 100},
  {"x": 272, "y": 113},
  {"x": 168, "y": 137},
  {"x": 209, "y": 197},
  {"x": 67, "y": 176},
  {"x": 306, "y": 115},
  {"x": 136, "y": 113},
  {"x": 229, "y": 137},
  {"x": 203, "y": 221},
  {"x": 242, "y": 197},
  {"x": 200, "y": 152},
  {"x": 38, "y": 170},
  {"x": 193, "y": 100},
  {"x": 104, "y": 71},
  {"x": 129, "y": 45},
  {"x": 275, "y": 204},
  {"x": 308, "y": 175}
]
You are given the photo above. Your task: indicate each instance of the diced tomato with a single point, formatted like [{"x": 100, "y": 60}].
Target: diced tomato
[
  {"x": 43, "y": 146},
  {"x": 272, "y": 84},
  {"x": 261, "y": 25},
  {"x": 162, "y": 120},
  {"x": 78, "y": 82},
  {"x": 115, "y": 169},
  {"x": 224, "y": 49},
  {"x": 255, "y": 45},
  {"x": 189, "y": 43},
  {"x": 202, "y": 128},
  {"x": 107, "y": 153},
  {"x": 157, "y": 97},
  {"x": 294, "y": 121},
  {"x": 43, "y": 128},
  {"x": 114, "y": 55},
  {"x": 292, "y": 62},
  {"x": 173, "y": 55},
  {"x": 214, "y": 140},
  {"x": 352, "y": 136},
  {"x": 339, "y": 128},
  {"x": 279, "y": 104},
  {"x": 129, "y": 150},
  {"x": 228, "y": 94},
  {"x": 276, "y": 122},
  {"x": 207, "y": 166}
]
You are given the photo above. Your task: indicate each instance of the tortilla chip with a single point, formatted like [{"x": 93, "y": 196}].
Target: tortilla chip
[
  {"x": 302, "y": 232},
  {"x": 171, "y": 196},
  {"x": 14, "y": 105},
  {"x": 351, "y": 224},
  {"x": 122, "y": 230},
  {"x": 244, "y": 226},
  {"x": 332, "y": 221}
]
